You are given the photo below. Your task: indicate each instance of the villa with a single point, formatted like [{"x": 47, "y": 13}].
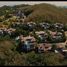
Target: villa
[
  {"x": 31, "y": 25},
  {"x": 1, "y": 32},
  {"x": 43, "y": 47},
  {"x": 45, "y": 25},
  {"x": 57, "y": 26},
  {"x": 11, "y": 31},
  {"x": 56, "y": 36},
  {"x": 27, "y": 43},
  {"x": 42, "y": 36}
]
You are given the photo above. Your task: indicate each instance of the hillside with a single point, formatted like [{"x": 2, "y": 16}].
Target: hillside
[
  {"x": 38, "y": 12},
  {"x": 46, "y": 12}
]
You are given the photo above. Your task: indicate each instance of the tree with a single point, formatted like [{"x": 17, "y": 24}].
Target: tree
[
  {"x": 44, "y": 59},
  {"x": 54, "y": 47}
]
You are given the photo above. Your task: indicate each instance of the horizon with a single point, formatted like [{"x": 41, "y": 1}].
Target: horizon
[{"x": 12, "y": 3}]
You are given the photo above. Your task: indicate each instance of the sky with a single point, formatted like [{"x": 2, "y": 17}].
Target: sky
[{"x": 12, "y": 3}]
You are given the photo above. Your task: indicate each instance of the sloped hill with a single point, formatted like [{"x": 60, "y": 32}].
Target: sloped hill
[
  {"x": 38, "y": 12},
  {"x": 47, "y": 12}
]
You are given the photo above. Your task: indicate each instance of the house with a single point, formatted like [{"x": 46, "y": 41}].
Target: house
[
  {"x": 42, "y": 36},
  {"x": 16, "y": 24},
  {"x": 60, "y": 45},
  {"x": 65, "y": 33},
  {"x": 60, "y": 48},
  {"x": 43, "y": 47},
  {"x": 4, "y": 31},
  {"x": 66, "y": 43},
  {"x": 11, "y": 32},
  {"x": 27, "y": 43},
  {"x": 18, "y": 13},
  {"x": 56, "y": 36},
  {"x": 58, "y": 26},
  {"x": 21, "y": 14},
  {"x": 31, "y": 26},
  {"x": 45, "y": 25},
  {"x": 1, "y": 32}
]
